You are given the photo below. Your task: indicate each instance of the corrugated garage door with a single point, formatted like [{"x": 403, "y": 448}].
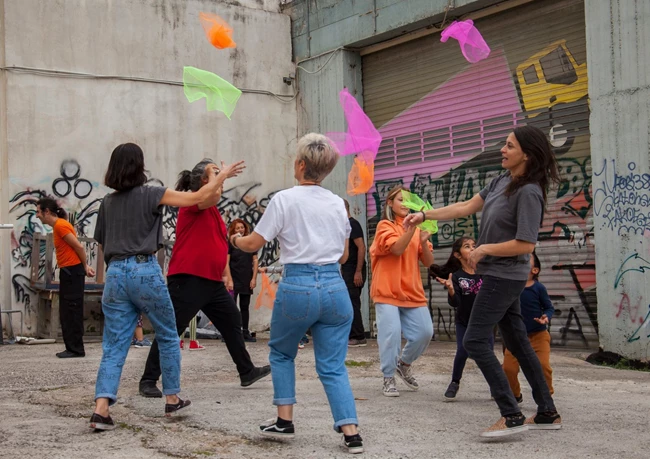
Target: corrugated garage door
[{"x": 444, "y": 120}]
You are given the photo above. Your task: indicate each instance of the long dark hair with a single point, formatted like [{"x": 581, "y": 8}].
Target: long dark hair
[
  {"x": 453, "y": 263},
  {"x": 51, "y": 205},
  {"x": 125, "y": 168},
  {"x": 191, "y": 180},
  {"x": 541, "y": 166}
]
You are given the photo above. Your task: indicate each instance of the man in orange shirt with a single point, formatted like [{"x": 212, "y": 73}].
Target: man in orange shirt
[{"x": 71, "y": 260}]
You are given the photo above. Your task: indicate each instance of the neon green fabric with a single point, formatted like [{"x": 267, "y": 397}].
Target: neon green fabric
[
  {"x": 414, "y": 202},
  {"x": 220, "y": 95}
]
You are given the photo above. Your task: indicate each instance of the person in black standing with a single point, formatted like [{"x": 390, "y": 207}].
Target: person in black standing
[
  {"x": 354, "y": 275},
  {"x": 243, "y": 275}
]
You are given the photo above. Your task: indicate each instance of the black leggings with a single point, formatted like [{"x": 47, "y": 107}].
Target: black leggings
[{"x": 244, "y": 305}]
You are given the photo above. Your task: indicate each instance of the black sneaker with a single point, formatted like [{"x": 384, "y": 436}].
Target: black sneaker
[
  {"x": 254, "y": 375},
  {"x": 270, "y": 429},
  {"x": 69, "y": 355},
  {"x": 248, "y": 337},
  {"x": 520, "y": 399},
  {"x": 148, "y": 389},
  {"x": 176, "y": 408},
  {"x": 507, "y": 425},
  {"x": 452, "y": 390},
  {"x": 549, "y": 420},
  {"x": 98, "y": 422},
  {"x": 354, "y": 443}
]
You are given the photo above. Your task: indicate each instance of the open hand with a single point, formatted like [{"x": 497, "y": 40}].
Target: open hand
[
  {"x": 447, "y": 283},
  {"x": 541, "y": 320},
  {"x": 232, "y": 170}
]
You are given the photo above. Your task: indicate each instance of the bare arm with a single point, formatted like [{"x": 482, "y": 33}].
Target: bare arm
[
  {"x": 74, "y": 243},
  {"x": 251, "y": 243},
  {"x": 346, "y": 252},
  {"x": 361, "y": 253},
  {"x": 510, "y": 248},
  {"x": 460, "y": 209},
  {"x": 255, "y": 265}
]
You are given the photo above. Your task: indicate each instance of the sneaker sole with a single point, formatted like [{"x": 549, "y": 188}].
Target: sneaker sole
[
  {"x": 102, "y": 426},
  {"x": 391, "y": 394},
  {"x": 277, "y": 435},
  {"x": 409, "y": 385},
  {"x": 355, "y": 450},
  {"x": 544, "y": 426},
  {"x": 449, "y": 399},
  {"x": 504, "y": 432}
]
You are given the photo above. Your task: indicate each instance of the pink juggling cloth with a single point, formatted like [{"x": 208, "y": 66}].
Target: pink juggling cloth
[{"x": 471, "y": 42}]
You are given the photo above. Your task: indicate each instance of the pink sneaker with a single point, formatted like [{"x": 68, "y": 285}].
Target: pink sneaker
[{"x": 195, "y": 346}]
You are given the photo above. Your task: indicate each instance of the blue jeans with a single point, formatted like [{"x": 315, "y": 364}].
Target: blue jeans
[
  {"x": 313, "y": 296},
  {"x": 498, "y": 302},
  {"x": 134, "y": 286},
  {"x": 461, "y": 354},
  {"x": 392, "y": 322}
]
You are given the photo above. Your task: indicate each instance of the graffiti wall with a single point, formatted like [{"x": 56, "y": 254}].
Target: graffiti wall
[{"x": 444, "y": 145}]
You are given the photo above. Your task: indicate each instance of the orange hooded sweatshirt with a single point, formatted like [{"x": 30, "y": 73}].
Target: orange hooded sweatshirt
[{"x": 396, "y": 279}]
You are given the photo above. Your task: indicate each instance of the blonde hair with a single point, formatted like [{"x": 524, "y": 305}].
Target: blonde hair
[
  {"x": 319, "y": 154},
  {"x": 387, "y": 214}
]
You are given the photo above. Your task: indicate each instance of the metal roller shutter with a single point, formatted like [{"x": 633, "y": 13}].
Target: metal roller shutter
[{"x": 444, "y": 120}]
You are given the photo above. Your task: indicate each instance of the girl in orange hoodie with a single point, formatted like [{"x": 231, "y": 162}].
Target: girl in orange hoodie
[{"x": 398, "y": 293}]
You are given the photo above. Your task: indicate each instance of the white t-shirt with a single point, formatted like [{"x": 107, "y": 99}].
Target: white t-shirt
[{"x": 310, "y": 223}]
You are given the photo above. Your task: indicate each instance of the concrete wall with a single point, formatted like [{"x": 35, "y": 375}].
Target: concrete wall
[
  {"x": 619, "y": 87},
  {"x": 57, "y": 128}
]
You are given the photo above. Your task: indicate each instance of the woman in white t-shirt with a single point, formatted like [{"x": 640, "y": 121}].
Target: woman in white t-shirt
[{"x": 312, "y": 227}]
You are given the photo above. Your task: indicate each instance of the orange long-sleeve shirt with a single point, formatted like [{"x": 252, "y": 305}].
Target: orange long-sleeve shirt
[{"x": 396, "y": 279}]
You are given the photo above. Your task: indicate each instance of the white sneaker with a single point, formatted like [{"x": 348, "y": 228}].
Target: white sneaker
[{"x": 390, "y": 390}]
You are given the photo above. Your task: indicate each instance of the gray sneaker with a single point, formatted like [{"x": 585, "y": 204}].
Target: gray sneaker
[
  {"x": 390, "y": 390},
  {"x": 406, "y": 373}
]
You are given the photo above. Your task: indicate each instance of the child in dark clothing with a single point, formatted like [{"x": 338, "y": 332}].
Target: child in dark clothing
[
  {"x": 462, "y": 284},
  {"x": 537, "y": 310}
]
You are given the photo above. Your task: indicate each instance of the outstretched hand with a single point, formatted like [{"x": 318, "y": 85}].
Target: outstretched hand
[
  {"x": 232, "y": 170},
  {"x": 447, "y": 283},
  {"x": 412, "y": 220}
]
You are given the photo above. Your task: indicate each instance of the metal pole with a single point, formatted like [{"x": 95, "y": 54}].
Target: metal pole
[{"x": 9, "y": 227}]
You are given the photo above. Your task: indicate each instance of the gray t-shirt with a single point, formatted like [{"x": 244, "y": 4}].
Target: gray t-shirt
[
  {"x": 505, "y": 218},
  {"x": 130, "y": 222}
]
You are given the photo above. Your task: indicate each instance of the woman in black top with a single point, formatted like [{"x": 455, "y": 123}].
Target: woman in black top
[
  {"x": 513, "y": 210},
  {"x": 462, "y": 284},
  {"x": 243, "y": 274}
]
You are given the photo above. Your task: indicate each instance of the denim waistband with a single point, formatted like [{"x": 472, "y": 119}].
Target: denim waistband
[
  {"x": 307, "y": 269},
  {"x": 139, "y": 258}
]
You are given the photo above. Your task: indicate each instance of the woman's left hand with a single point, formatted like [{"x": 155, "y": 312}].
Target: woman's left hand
[
  {"x": 253, "y": 284},
  {"x": 476, "y": 256},
  {"x": 424, "y": 236},
  {"x": 229, "y": 285}
]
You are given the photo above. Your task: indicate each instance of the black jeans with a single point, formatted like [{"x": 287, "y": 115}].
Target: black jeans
[
  {"x": 244, "y": 305},
  {"x": 71, "y": 307},
  {"x": 498, "y": 302},
  {"x": 356, "y": 331},
  {"x": 191, "y": 294},
  {"x": 461, "y": 354}
]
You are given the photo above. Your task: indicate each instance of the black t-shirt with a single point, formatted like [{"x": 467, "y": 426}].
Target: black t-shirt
[
  {"x": 357, "y": 232},
  {"x": 466, "y": 287},
  {"x": 241, "y": 269}
]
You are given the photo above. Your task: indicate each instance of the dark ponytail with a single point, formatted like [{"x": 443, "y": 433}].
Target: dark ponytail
[
  {"x": 51, "y": 205},
  {"x": 183, "y": 183},
  {"x": 453, "y": 263}
]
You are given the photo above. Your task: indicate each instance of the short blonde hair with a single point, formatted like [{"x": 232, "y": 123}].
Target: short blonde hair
[{"x": 319, "y": 154}]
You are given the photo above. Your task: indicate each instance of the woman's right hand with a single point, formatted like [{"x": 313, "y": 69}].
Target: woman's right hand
[
  {"x": 232, "y": 170},
  {"x": 447, "y": 283}
]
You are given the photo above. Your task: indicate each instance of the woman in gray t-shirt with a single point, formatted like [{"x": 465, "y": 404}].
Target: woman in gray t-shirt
[
  {"x": 513, "y": 209},
  {"x": 129, "y": 229}
]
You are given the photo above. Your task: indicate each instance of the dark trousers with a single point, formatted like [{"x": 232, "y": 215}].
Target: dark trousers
[
  {"x": 71, "y": 307},
  {"x": 244, "y": 306},
  {"x": 356, "y": 331},
  {"x": 461, "y": 354},
  {"x": 191, "y": 294},
  {"x": 498, "y": 303}
]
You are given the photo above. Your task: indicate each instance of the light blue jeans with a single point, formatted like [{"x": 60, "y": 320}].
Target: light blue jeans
[
  {"x": 134, "y": 286},
  {"x": 313, "y": 296},
  {"x": 392, "y": 322}
]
